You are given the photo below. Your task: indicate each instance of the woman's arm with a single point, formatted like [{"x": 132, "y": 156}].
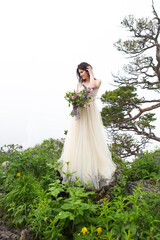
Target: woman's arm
[
  {"x": 93, "y": 83},
  {"x": 77, "y": 87},
  {"x": 96, "y": 83}
]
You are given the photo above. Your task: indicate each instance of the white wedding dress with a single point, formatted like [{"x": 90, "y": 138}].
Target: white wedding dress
[{"x": 85, "y": 150}]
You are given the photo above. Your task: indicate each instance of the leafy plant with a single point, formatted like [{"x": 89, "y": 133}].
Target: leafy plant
[
  {"x": 127, "y": 217},
  {"x": 40, "y": 161},
  {"x": 145, "y": 166},
  {"x": 19, "y": 198},
  {"x": 70, "y": 208},
  {"x": 35, "y": 196}
]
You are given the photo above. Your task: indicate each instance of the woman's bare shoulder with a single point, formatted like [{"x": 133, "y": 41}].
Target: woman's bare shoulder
[
  {"x": 98, "y": 80},
  {"x": 98, "y": 83}
]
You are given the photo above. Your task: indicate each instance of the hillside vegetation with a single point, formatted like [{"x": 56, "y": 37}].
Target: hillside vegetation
[{"x": 32, "y": 194}]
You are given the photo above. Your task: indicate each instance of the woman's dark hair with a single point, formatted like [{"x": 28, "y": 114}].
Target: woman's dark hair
[{"x": 82, "y": 66}]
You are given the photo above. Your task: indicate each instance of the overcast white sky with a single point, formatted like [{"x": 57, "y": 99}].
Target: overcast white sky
[{"x": 41, "y": 44}]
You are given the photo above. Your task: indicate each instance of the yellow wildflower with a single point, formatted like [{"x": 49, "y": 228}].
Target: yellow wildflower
[
  {"x": 78, "y": 234},
  {"x": 84, "y": 230},
  {"x": 18, "y": 174},
  {"x": 146, "y": 152},
  {"x": 99, "y": 230}
]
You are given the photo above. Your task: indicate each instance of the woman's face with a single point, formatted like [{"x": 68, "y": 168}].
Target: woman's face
[{"x": 83, "y": 73}]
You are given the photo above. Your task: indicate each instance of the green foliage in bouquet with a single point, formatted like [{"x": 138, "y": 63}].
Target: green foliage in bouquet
[{"x": 79, "y": 99}]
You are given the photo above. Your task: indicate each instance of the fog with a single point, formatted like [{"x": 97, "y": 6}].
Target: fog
[{"x": 41, "y": 44}]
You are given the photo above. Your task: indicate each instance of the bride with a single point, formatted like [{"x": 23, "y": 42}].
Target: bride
[{"x": 85, "y": 152}]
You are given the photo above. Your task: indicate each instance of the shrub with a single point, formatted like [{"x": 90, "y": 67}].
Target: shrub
[
  {"x": 127, "y": 218},
  {"x": 33, "y": 195},
  {"x": 145, "y": 166},
  {"x": 69, "y": 209},
  {"x": 19, "y": 198},
  {"x": 40, "y": 161}
]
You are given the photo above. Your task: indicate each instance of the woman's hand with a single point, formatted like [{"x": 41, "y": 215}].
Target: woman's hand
[
  {"x": 89, "y": 69},
  {"x": 94, "y": 83}
]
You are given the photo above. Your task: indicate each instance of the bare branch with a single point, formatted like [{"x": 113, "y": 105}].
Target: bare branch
[
  {"x": 155, "y": 13},
  {"x": 134, "y": 129},
  {"x": 140, "y": 112},
  {"x": 150, "y": 101}
]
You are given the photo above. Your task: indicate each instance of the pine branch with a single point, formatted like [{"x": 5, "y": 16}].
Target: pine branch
[{"x": 141, "y": 111}]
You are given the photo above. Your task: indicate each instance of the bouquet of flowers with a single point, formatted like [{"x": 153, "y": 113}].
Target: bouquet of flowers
[{"x": 78, "y": 99}]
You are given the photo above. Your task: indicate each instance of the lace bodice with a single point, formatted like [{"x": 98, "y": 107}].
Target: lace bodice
[{"x": 93, "y": 93}]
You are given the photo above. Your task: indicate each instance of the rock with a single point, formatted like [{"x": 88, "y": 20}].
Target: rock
[
  {"x": 6, "y": 233},
  {"x": 27, "y": 234},
  {"x": 5, "y": 165},
  {"x": 105, "y": 192},
  {"x": 146, "y": 186}
]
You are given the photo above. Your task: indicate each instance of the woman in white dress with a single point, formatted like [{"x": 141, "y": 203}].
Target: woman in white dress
[{"x": 85, "y": 150}]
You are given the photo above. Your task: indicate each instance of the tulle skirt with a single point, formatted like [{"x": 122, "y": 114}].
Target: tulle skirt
[{"x": 85, "y": 150}]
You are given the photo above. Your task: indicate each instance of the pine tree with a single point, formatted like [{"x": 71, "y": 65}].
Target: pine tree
[{"x": 124, "y": 110}]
